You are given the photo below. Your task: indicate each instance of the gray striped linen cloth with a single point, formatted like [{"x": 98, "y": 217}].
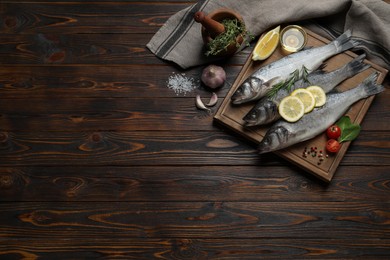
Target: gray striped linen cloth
[{"x": 179, "y": 40}]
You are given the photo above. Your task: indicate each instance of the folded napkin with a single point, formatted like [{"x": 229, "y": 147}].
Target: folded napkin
[{"x": 179, "y": 40}]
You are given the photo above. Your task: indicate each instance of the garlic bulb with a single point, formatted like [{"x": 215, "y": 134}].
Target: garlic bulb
[{"x": 213, "y": 76}]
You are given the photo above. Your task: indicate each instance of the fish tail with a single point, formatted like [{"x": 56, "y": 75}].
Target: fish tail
[
  {"x": 344, "y": 42},
  {"x": 370, "y": 87},
  {"x": 348, "y": 70},
  {"x": 356, "y": 66}
]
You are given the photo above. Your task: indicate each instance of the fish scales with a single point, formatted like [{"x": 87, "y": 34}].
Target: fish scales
[
  {"x": 261, "y": 81},
  {"x": 284, "y": 134}
]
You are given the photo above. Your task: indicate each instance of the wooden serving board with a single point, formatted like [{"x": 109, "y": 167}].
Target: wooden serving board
[{"x": 231, "y": 115}]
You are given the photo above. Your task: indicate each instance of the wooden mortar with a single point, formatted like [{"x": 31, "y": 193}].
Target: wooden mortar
[{"x": 211, "y": 27}]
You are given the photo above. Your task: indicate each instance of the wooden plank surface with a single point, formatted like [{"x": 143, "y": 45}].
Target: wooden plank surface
[
  {"x": 194, "y": 219},
  {"x": 103, "y": 48},
  {"x": 174, "y": 147},
  {"x": 184, "y": 248},
  {"x": 186, "y": 183},
  {"x": 99, "y": 159}
]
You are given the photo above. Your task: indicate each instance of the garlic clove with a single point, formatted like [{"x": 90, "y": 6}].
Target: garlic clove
[
  {"x": 213, "y": 100},
  {"x": 199, "y": 103}
]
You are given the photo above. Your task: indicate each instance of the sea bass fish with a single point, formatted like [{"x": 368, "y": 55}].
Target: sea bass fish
[
  {"x": 284, "y": 134},
  {"x": 266, "y": 109},
  {"x": 260, "y": 82}
]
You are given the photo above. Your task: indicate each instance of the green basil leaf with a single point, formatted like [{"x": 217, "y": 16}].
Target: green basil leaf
[
  {"x": 349, "y": 133},
  {"x": 344, "y": 122}
]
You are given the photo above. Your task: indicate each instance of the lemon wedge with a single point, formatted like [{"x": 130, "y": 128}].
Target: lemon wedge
[
  {"x": 266, "y": 45},
  {"x": 319, "y": 95},
  {"x": 291, "y": 108},
  {"x": 306, "y": 97}
]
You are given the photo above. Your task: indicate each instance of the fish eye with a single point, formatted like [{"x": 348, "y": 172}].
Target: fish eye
[
  {"x": 246, "y": 85},
  {"x": 266, "y": 141}
]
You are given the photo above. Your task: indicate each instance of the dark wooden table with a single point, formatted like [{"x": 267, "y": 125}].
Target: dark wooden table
[{"x": 98, "y": 158}]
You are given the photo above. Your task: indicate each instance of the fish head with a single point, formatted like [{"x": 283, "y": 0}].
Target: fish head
[
  {"x": 276, "y": 138},
  {"x": 247, "y": 91},
  {"x": 266, "y": 111},
  {"x": 253, "y": 88},
  {"x": 253, "y": 117}
]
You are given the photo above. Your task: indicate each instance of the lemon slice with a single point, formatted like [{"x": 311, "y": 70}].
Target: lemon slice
[
  {"x": 306, "y": 97},
  {"x": 291, "y": 108},
  {"x": 319, "y": 95},
  {"x": 266, "y": 45}
]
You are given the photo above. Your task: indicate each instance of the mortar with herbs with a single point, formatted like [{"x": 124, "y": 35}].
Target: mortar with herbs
[{"x": 223, "y": 31}]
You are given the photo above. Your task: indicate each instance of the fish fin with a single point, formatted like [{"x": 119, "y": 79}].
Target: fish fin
[
  {"x": 307, "y": 48},
  {"x": 320, "y": 69},
  {"x": 357, "y": 65},
  {"x": 334, "y": 91},
  {"x": 322, "y": 66},
  {"x": 344, "y": 42},
  {"x": 370, "y": 86}
]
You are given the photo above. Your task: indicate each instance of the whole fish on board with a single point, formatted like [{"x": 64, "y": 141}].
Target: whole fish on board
[
  {"x": 266, "y": 109},
  {"x": 284, "y": 134},
  {"x": 260, "y": 82}
]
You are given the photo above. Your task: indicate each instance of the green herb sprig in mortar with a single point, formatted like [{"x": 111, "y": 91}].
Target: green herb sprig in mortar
[{"x": 233, "y": 29}]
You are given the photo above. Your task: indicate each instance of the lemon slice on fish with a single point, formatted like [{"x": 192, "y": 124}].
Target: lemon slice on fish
[
  {"x": 266, "y": 45},
  {"x": 291, "y": 108},
  {"x": 306, "y": 97},
  {"x": 319, "y": 95}
]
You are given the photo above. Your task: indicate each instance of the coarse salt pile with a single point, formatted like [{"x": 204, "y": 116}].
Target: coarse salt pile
[{"x": 181, "y": 84}]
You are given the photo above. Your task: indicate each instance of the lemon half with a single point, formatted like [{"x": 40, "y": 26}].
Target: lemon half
[
  {"x": 306, "y": 97},
  {"x": 266, "y": 45},
  {"x": 319, "y": 95},
  {"x": 291, "y": 108}
]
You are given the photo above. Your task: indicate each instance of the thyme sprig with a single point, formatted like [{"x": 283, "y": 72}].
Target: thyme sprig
[
  {"x": 289, "y": 82},
  {"x": 233, "y": 29}
]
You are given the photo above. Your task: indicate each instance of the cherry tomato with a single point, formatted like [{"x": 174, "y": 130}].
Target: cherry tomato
[
  {"x": 333, "y": 132},
  {"x": 332, "y": 146}
]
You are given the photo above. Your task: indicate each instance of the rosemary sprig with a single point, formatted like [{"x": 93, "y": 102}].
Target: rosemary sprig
[
  {"x": 304, "y": 74},
  {"x": 289, "y": 82}
]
